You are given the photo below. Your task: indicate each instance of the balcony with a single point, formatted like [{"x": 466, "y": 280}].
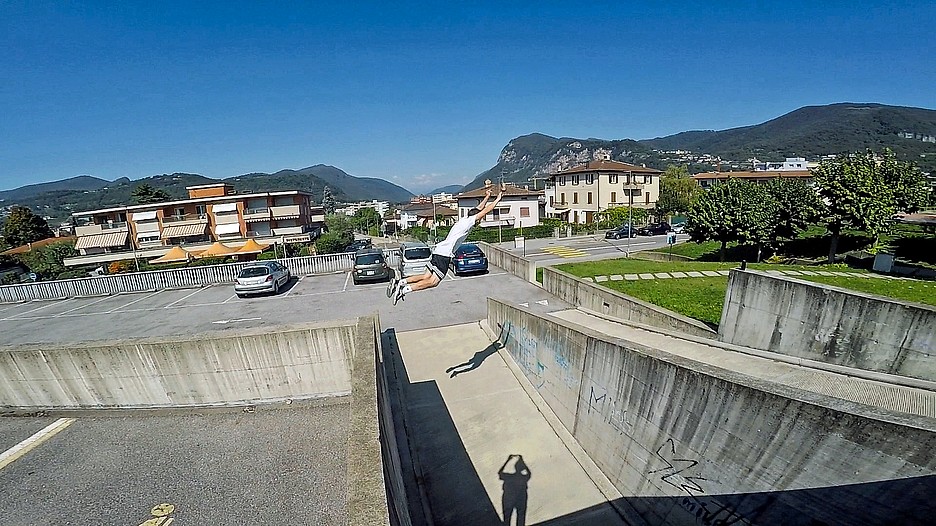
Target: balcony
[
  {"x": 185, "y": 219},
  {"x": 289, "y": 230},
  {"x": 285, "y": 212},
  {"x": 256, "y": 214},
  {"x": 88, "y": 230},
  {"x": 633, "y": 186}
]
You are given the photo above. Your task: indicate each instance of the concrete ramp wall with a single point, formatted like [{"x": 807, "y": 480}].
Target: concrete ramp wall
[
  {"x": 829, "y": 324},
  {"x": 688, "y": 443},
  {"x": 581, "y": 293},
  {"x": 209, "y": 369}
]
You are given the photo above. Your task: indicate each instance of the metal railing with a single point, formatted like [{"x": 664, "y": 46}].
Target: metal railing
[{"x": 187, "y": 277}]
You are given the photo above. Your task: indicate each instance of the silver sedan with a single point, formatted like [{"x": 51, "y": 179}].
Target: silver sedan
[{"x": 257, "y": 278}]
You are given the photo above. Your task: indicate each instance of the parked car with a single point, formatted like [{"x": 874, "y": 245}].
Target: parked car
[
  {"x": 358, "y": 244},
  {"x": 469, "y": 258},
  {"x": 619, "y": 232},
  {"x": 414, "y": 256},
  {"x": 257, "y": 278},
  {"x": 654, "y": 229},
  {"x": 679, "y": 228},
  {"x": 370, "y": 265}
]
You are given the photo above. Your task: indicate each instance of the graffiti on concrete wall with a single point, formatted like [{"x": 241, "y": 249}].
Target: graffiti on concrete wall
[
  {"x": 611, "y": 412},
  {"x": 530, "y": 351}
]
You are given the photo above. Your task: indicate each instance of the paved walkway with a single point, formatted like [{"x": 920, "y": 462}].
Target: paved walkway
[
  {"x": 465, "y": 430},
  {"x": 719, "y": 273}
]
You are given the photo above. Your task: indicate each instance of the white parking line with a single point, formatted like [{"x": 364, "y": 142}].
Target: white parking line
[
  {"x": 298, "y": 281},
  {"x": 51, "y": 303},
  {"x": 132, "y": 302},
  {"x": 347, "y": 279},
  {"x": 11, "y": 455},
  {"x": 85, "y": 305},
  {"x": 186, "y": 296},
  {"x": 229, "y": 299},
  {"x": 11, "y": 306}
]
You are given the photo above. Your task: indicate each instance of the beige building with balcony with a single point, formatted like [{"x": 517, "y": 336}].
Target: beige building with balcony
[
  {"x": 212, "y": 213},
  {"x": 520, "y": 207},
  {"x": 579, "y": 193}
]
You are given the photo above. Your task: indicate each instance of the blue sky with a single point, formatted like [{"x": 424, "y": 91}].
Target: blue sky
[{"x": 421, "y": 94}]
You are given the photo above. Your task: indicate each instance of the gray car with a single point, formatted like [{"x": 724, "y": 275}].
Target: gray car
[
  {"x": 370, "y": 265},
  {"x": 257, "y": 278},
  {"x": 414, "y": 257}
]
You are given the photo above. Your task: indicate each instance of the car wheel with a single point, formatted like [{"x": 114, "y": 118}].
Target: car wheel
[
  {"x": 356, "y": 282},
  {"x": 275, "y": 288}
]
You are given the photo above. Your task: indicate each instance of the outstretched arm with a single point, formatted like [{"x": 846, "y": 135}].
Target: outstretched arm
[
  {"x": 487, "y": 196},
  {"x": 488, "y": 207}
]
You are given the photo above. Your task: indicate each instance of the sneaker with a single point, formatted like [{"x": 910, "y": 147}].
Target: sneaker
[
  {"x": 399, "y": 294},
  {"x": 391, "y": 286}
]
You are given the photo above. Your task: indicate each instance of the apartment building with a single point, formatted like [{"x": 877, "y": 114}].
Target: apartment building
[
  {"x": 211, "y": 213},
  {"x": 710, "y": 179},
  {"x": 382, "y": 207},
  {"x": 579, "y": 193},
  {"x": 520, "y": 206}
]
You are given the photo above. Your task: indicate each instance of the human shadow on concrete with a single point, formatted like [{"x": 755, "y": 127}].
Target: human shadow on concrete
[
  {"x": 443, "y": 484},
  {"x": 514, "y": 497},
  {"x": 475, "y": 361}
]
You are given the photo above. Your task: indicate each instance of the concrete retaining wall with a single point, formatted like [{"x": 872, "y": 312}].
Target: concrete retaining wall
[
  {"x": 829, "y": 324},
  {"x": 691, "y": 444},
  {"x": 210, "y": 369},
  {"x": 601, "y": 299},
  {"x": 512, "y": 263},
  {"x": 651, "y": 255}
]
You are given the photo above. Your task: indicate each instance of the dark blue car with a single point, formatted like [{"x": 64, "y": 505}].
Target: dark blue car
[{"x": 469, "y": 258}]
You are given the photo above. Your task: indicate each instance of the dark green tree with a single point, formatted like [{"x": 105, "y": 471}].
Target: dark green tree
[
  {"x": 145, "y": 194},
  {"x": 366, "y": 218},
  {"x": 733, "y": 211},
  {"x": 340, "y": 233},
  {"x": 677, "y": 191},
  {"x": 22, "y": 227},
  {"x": 617, "y": 216},
  {"x": 911, "y": 189},
  {"x": 798, "y": 205},
  {"x": 856, "y": 194},
  {"x": 328, "y": 202},
  {"x": 48, "y": 261}
]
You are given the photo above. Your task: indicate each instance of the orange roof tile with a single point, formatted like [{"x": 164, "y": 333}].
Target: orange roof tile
[
  {"x": 511, "y": 190},
  {"x": 41, "y": 243}
]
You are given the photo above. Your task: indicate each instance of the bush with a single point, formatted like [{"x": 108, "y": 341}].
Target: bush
[
  {"x": 333, "y": 243},
  {"x": 72, "y": 274},
  {"x": 121, "y": 267},
  {"x": 203, "y": 262},
  {"x": 264, "y": 256}
]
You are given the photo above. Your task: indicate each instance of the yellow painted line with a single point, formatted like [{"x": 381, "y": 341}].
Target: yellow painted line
[{"x": 14, "y": 453}]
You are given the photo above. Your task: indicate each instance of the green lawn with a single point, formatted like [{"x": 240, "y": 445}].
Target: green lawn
[{"x": 702, "y": 298}]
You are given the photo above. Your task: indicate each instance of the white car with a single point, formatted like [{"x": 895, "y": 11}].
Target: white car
[
  {"x": 257, "y": 278},
  {"x": 678, "y": 229}
]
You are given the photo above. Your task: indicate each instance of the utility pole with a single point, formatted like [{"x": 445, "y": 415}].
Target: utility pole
[
  {"x": 630, "y": 204},
  {"x": 499, "y": 223}
]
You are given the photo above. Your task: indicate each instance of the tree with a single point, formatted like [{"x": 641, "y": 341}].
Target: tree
[
  {"x": 48, "y": 261},
  {"x": 863, "y": 192},
  {"x": 677, "y": 191},
  {"x": 328, "y": 202},
  {"x": 798, "y": 205},
  {"x": 23, "y": 227},
  {"x": 911, "y": 189},
  {"x": 145, "y": 194},
  {"x": 340, "y": 233},
  {"x": 617, "y": 216},
  {"x": 735, "y": 210},
  {"x": 365, "y": 218}
]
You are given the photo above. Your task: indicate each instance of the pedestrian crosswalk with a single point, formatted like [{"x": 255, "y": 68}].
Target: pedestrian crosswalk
[{"x": 565, "y": 252}]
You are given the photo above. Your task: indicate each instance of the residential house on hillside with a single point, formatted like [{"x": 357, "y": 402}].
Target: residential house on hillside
[
  {"x": 520, "y": 207},
  {"x": 212, "y": 212},
  {"x": 579, "y": 193}
]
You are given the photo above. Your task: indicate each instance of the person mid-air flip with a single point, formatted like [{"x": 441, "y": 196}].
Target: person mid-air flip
[{"x": 443, "y": 252}]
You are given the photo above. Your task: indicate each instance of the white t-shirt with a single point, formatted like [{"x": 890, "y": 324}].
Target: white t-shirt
[{"x": 456, "y": 236}]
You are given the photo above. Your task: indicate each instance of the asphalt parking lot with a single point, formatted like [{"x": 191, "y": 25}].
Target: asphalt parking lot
[
  {"x": 272, "y": 465},
  {"x": 307, "y": 298}
]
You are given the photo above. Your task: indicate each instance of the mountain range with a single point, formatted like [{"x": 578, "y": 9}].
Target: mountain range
[{"x": 809, "y": 132}]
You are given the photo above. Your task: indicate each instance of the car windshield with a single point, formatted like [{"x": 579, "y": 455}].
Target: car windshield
[
  {"x": 468, "y": 250},
  {"x": 253, "y": 272},
  {"x": 417, "y": 253},
  {"x": 368, "y": 259}
]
